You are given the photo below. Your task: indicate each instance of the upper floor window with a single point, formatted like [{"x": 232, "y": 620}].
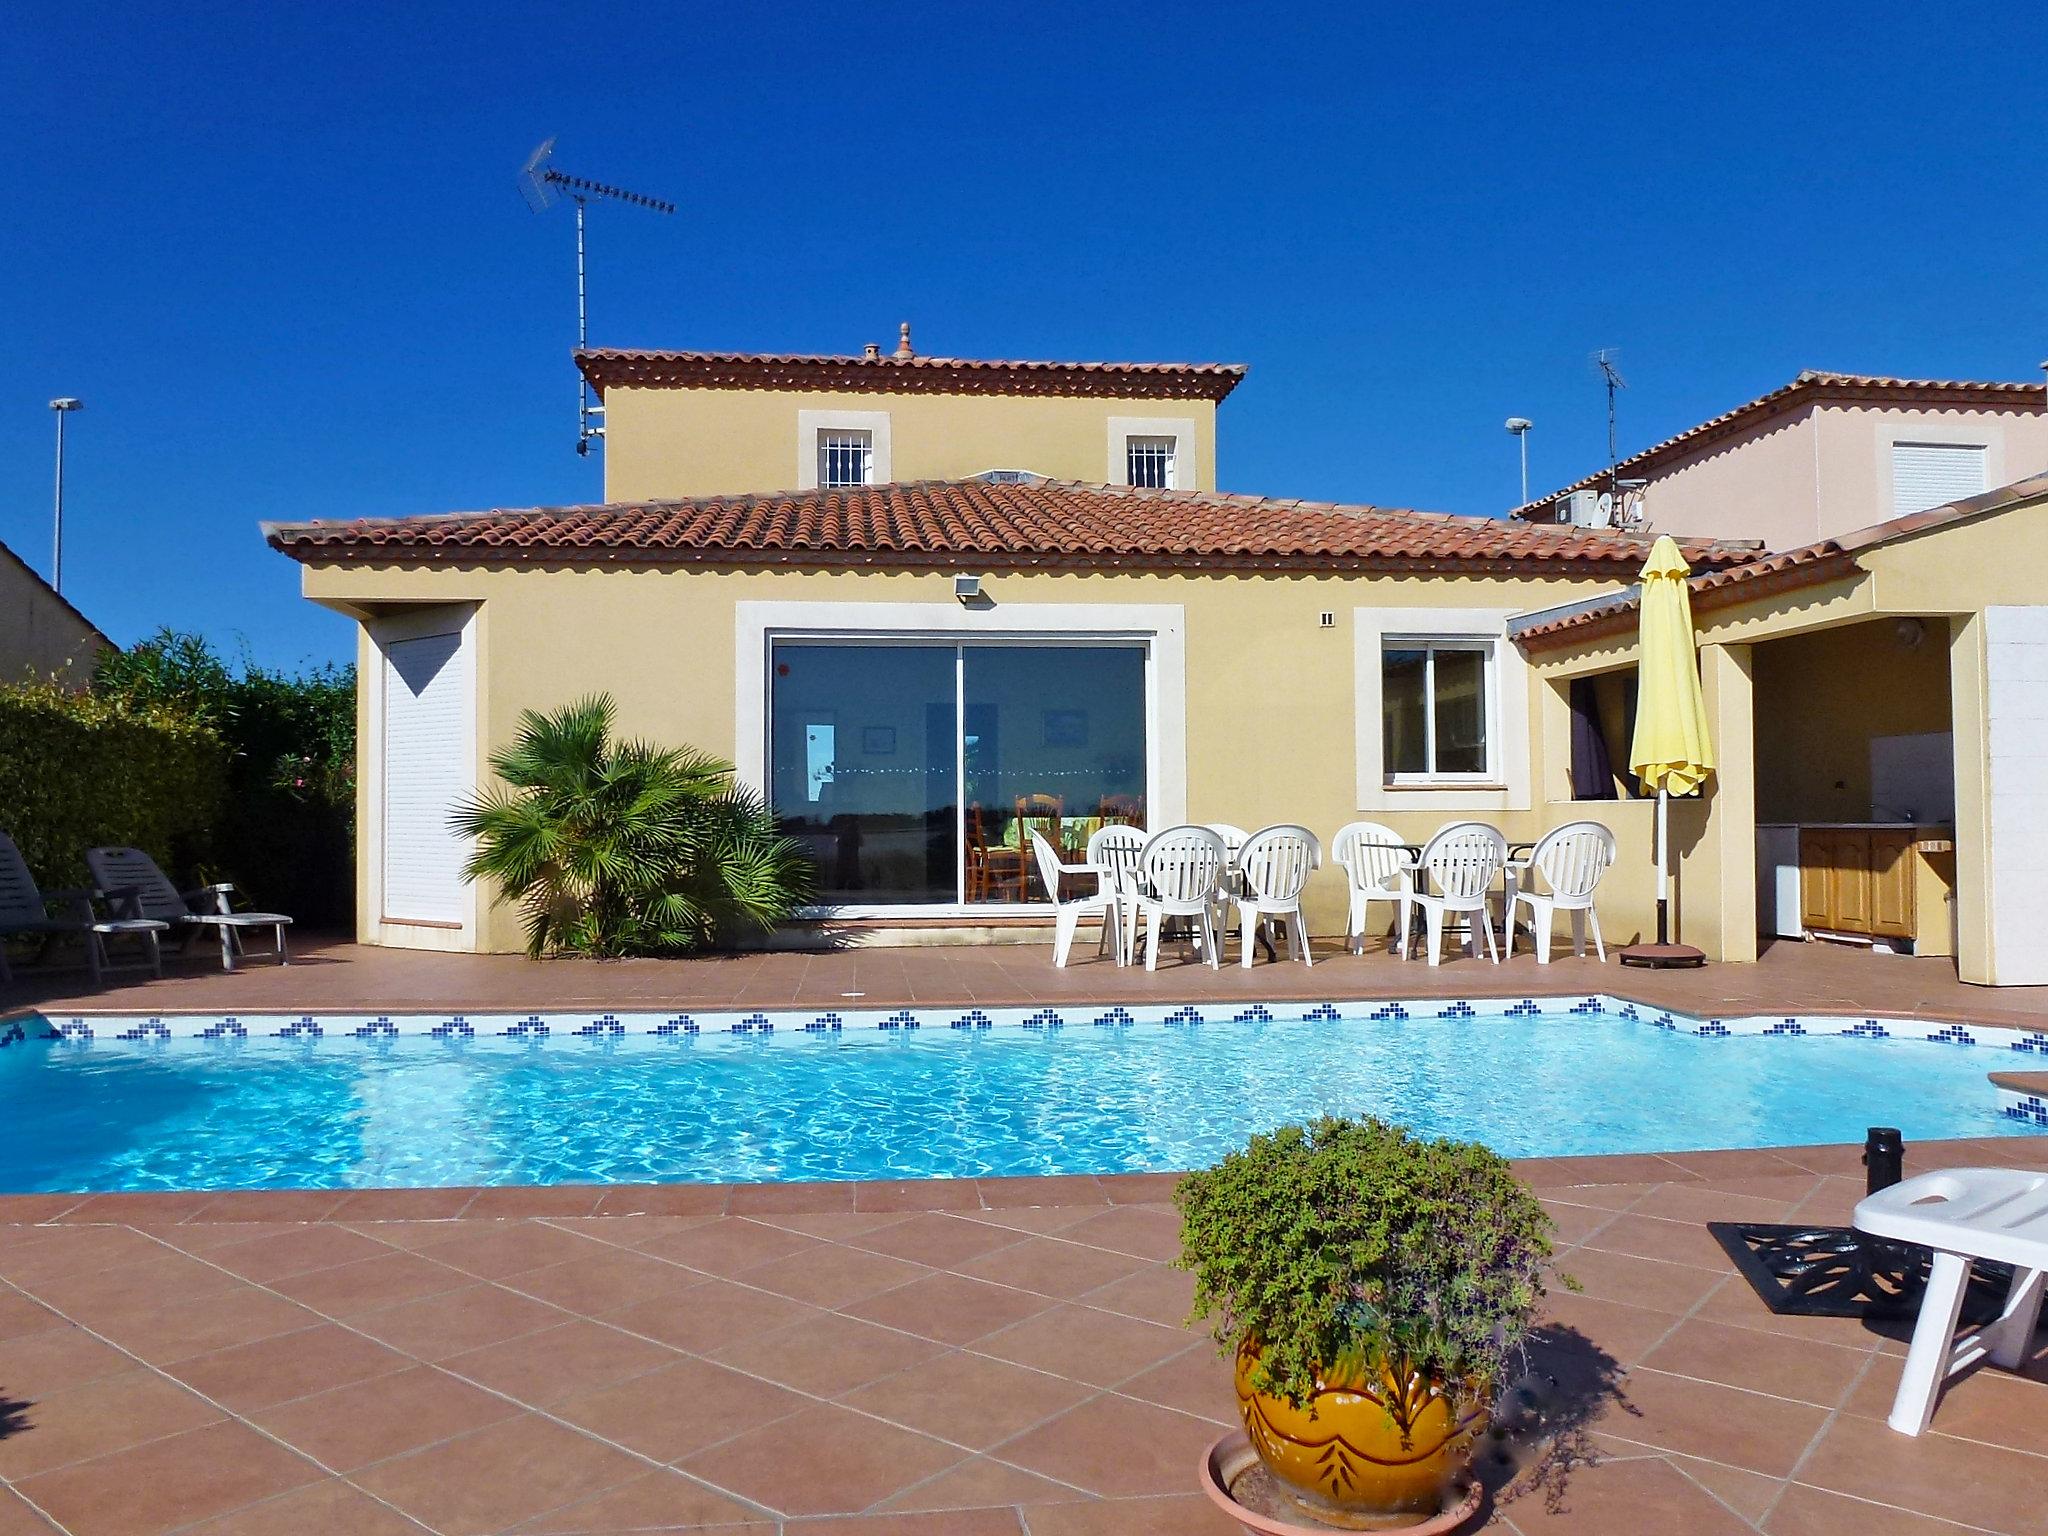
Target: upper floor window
[
  {"x": 846, "y": 457},
  {"x": 1933, "y": 474},
  {"x": 1149, "y": 462},
  {"x": 1436, "y": 709}
]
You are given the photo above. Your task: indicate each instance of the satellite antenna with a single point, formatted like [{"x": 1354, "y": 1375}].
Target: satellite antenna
[
  {"x": 541, "y": 184},
  {"x": 1604, "y": 361}
]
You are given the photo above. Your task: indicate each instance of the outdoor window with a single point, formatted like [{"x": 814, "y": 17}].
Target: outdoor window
[
  {"x": 1934, "y": 474},
  {"x": 1148, "y": 461},
  {"x": 915, "y": 771},
  {"x": 1436, "y": 704},
  {"x": 846, "y": 457}
]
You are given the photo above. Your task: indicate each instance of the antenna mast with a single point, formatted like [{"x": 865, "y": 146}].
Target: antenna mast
[
  {"x": 1604, "y": 360},
  {"x": 540, "y": 184}
]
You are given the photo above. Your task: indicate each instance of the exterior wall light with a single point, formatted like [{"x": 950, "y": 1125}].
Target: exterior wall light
[{"x": 967, "y": 589}]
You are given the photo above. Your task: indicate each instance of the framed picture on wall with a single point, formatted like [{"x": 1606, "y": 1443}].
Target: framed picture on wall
[
  {"x": 1066, "y": 728},
  {"x": 878, "y": 740}
]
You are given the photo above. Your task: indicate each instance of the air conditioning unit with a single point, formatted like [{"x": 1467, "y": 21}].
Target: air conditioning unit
[{"x": 1582, "y": 509}]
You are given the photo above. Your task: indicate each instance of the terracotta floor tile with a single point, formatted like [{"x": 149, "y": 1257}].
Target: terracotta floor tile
[
  {"x": 110, "y": 1414},
  {"x": 1654, "y": 1283},
  {"x": 1183, "y": 1514},
  {"x": 827, "y": 1354},
  {"x": 952, "y": 1522},
  {"x": 1138, "y": 1188},
  {"x": 437, "y": 1327},
  {"x": 1650, "y": 1237},
  {"x": 730, "y": 1246},
  {"x": 1803, "y": 1511},
  {"x": 1196, "y": 1382},
  {"x": 1575, "y": 1223},
  {"x": 978, "y": 1483},
  {"x": 916, "y": 1195},
  {"x": 382, "y": 1205},
  {"x": 1745, "y": 1429},
  {"x": 18, "y": 1519},
  {"x": 1750, "y": 1494},
  {"x": 825, "y": 1460},
  {"x": 595, "y": 1283},
  {"x": 665, "y": 1200},
  {"x": 326, "y": 1507},
  {"x": 1601, "y": 1197},
  {"x": 968, "y": 1399},
  {"x": 1052, "y": 1267},
  {"x": 1011, "y": 1194},
  {"x": 36, "y": 1364},
  {"x": 21, "y": 1314},
  {"x": 1155, "y": 1293},
  {"x": 935, "y": 1238},
  {"x": 667, "y": 1414},
  {"x": 791, "y": 1198},
  {"x": 1735, "y": 1357},
  {"x": 1931, "y": 1474},
  {"x": 1624, "y": 1498},
  {"x": 497, "y": 1477},
  {"x": 1100, "y": 1348},
  {"x": 276, "y": 1370},
  {"x": 534, "y": 1200},
  {"x": 655, "y": 1501},
  {"x": 572, "y": 1357},
  {"x": 493, "y": 1250},
  {"x": 1986, "y": 1404},
  {"x": 1139, "y": 1231},
  {"x": 167, "y": 1483},
  {"x": 1759, "y": 1199},
  {"x": 414, "y": 1236},
  {"x": 1114, "y": 1447},
  {"x": 352, "y": 1426},
  {"x": 1624, "y": 1332},
  {"x": 711, "y": 1316},
  {"x": 831, "y": 1275},
  {"x": 834, "y": 1226},
  {"x": 277, "y": 1255},
  {"x": 57, "y": 1252},
  {"x": 950, "y": 1308},
  {"x": 1733, "y": 1302},
  {"x": 270, "y": 1205},
  {"x": 347, "y": 1290}
]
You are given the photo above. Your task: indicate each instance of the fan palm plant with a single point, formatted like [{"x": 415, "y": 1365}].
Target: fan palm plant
[{"x": 622, "y": 848}]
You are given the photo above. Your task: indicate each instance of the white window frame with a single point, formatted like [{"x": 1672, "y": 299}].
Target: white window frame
[
  {"x": 845, "y": 440},
  {"x": 1430, "y": 645},
  {"x": 1181, "y": 429},
  {"x": 1160, "y": 627},
  {"x": 1163, "y": 445},
  {"x": 1506, "y": 785},
  {"x": 418, "y": 624},
  {"x": 811, "y": 426}
]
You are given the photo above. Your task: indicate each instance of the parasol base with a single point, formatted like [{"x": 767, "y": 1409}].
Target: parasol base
[{"x": 1663, "y": 957}]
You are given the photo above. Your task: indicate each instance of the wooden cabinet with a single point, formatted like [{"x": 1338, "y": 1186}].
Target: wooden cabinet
[{"x": 1859, "y": 880}]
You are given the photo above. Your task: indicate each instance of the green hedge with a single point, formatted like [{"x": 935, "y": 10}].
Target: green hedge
[{"x": 79, "y": 771}]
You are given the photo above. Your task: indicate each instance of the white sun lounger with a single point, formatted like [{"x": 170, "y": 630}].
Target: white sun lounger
[
  {"x": 1963, "y": 1214},
  {"x": 26, "y": 910},
  {"x": 130, "y": 877}
]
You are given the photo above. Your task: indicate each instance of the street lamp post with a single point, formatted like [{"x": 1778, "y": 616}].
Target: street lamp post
[
  {"x": 63, "y": 406},
  {"x": 1519, "y": 425}
]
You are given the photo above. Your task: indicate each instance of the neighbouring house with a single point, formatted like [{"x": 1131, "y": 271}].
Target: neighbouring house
[
  {"x": 1824, "y": 455},
  {"x": 41, "y": 634}
]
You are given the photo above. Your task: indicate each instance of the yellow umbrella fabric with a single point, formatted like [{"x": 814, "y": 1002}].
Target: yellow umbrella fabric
[{"x": 1670, "y": 753}]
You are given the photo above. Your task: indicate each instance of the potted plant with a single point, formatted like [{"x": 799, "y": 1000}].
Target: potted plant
[{"x": 1373, "y": 1288}]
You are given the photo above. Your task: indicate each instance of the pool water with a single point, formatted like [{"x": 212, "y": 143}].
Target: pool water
[{"x": 339, "y": 1113}]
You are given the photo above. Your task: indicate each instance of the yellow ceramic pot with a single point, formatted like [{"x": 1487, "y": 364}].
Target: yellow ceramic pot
[{"x": 1379, "y": 1444}]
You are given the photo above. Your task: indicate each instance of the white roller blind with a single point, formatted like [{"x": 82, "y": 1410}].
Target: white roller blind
[
  {"x": 1933, "y": 474},
  {"x": 426, "y": 772}
]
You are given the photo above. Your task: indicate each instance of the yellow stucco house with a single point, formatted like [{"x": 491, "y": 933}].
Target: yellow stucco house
[{"x": 918, "y": 601}]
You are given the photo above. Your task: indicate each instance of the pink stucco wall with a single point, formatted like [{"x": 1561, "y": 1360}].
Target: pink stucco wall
[{"x": 1825, "y": 469}]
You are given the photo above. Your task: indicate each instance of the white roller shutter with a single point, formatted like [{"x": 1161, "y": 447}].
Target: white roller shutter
[
  {"x": 1934, "y": 474},
  {"x": 426, "y": 773}
]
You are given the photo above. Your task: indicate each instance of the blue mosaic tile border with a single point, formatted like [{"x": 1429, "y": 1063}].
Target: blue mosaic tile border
[{"x": 539, "y": 1027}]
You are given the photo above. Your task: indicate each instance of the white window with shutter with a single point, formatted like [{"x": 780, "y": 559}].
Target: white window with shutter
[
  {"x": 1934, "y": 474},
  {"x": 427, "y": 767}
]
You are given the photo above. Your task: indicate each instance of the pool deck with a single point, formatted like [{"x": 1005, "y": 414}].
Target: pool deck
[{"x": 917, "y": 1358}]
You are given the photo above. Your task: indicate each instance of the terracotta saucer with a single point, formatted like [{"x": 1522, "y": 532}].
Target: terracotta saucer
[{"x": 1232, "y": 1457}]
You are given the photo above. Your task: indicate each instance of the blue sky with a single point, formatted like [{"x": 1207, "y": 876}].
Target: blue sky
[{"x": 278, "y": 252}]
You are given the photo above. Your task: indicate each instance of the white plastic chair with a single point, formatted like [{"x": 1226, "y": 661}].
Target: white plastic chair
[
  {"x": 1067, "y": 913},
  {"x": 1114, "y": 851},
  {"x": 1273, "y": 868},
  {"x": 1462, "y": 862},
  {"x": 1572, "y": 859},
  {"x": 1378, "y": 866},
  {"x": 1234, "y": 838},
  {"x": 1182, "y": 868},
  {"x": 1963, "y": 1214}
]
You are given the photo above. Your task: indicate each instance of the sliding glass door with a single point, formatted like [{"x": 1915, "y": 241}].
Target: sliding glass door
[{"x": 915, "y": 773}]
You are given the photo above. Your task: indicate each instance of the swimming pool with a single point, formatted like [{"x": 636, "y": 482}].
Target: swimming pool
[{"x": 94, "y": 1103}]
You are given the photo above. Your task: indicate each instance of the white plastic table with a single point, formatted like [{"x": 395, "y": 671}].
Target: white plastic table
[{"x": 1963, "y": 1214}]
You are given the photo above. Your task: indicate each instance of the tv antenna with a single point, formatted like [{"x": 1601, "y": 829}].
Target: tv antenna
[
  {"x": 541, "y": 184},
  {"x": 1604, "y": 361}
]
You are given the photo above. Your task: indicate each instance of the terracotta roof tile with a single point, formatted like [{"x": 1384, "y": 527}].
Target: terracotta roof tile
[
  {"x": 634, "y": 368},
  {"x": 1005, "y": 525},
  {"x": 1811, "y": 384}
]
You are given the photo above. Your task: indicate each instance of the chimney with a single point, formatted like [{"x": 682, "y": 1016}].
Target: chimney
[
  {"x": 904, "y": 352},
  {"x": 872, "y": 350}
]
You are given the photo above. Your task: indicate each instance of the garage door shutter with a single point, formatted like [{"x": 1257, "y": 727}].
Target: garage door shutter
[
  {"x": 426, "y": 773},
  {"x": 1934, "y": 474}
]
